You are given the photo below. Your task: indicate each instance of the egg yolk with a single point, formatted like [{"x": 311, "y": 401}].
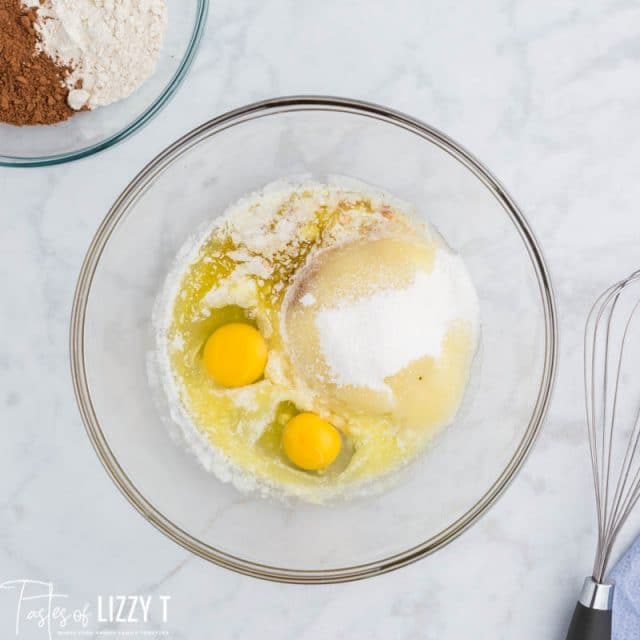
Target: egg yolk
[
  {"x": 235, "y": 355},
  {"x": 310, "y": 442}
]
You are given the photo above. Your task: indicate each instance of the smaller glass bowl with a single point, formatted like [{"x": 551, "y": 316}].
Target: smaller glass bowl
[{"x": 91, "y": 131}]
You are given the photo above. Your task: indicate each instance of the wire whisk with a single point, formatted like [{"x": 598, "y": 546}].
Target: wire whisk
[{"x": 612, "y": 402}]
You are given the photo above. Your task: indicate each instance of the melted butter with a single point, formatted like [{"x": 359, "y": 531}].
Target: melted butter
[{"x": 246, "y": 425}]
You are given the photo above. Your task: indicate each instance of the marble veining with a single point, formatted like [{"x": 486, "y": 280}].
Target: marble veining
[{"x": 546, "y": 96}]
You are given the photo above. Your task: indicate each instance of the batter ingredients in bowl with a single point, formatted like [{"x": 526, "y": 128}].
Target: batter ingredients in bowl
[
  {"x": 314, "y": 339},
  {"x": 96, "y": 53}
]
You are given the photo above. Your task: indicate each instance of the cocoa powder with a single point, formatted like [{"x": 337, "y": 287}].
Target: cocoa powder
[{"x": 32, "y": 87}]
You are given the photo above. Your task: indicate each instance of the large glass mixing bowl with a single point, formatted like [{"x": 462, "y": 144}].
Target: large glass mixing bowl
[{"x": 468, "y": 465}]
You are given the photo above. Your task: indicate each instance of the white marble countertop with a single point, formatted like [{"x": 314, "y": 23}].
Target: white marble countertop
[{"x": 548, "y": 98}]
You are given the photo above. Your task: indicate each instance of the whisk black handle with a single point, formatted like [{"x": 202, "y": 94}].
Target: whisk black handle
[
  {"x": 589, "y": 624},
  {"x": 592, "y": 616}
]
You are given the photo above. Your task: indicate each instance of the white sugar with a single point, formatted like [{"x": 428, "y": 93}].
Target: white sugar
[{"x": 367, "y": 340}]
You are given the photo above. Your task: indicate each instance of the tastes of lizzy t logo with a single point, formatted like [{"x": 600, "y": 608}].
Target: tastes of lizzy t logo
[{"x": 37, "y": 610}]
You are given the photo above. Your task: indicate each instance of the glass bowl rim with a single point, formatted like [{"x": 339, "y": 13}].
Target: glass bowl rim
[
  {"x": 140, "y": 121},
  {"x": 139, "y": 185}
]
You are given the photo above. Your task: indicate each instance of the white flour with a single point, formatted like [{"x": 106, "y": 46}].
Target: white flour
[{"x": 112, "y": 46}]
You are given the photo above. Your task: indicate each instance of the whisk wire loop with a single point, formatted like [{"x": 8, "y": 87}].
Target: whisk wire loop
[{"x": 617, "y": 487}]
